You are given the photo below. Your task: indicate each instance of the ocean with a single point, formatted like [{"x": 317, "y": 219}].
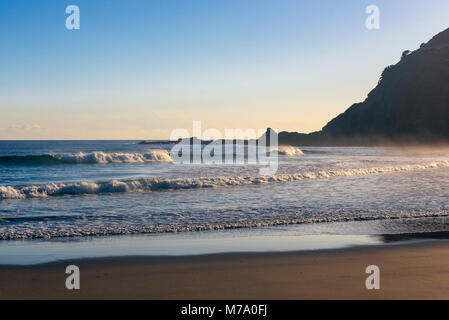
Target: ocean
[{"x": 63, "y": 191}]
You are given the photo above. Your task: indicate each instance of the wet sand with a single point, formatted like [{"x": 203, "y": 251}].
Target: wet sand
[{"x": 412, "y": 271}]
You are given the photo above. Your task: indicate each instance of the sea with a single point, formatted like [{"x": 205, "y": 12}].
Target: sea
[{"x": 75, "y": 199}]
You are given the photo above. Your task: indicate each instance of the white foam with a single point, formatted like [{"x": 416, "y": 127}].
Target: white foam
[
  {"x": 153, "y": 184},
  {"x": 289, "y": 151},
  {"x": 7, "y": 192},
  {"x": 155, "y": 155},
  {"x": 51, "y": 231}
]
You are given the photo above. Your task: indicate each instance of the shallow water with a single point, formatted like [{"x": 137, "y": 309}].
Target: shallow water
[{"x": 90, "y": 188}]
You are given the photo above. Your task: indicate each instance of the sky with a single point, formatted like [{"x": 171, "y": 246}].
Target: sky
[{"x": 138, "y": 69}]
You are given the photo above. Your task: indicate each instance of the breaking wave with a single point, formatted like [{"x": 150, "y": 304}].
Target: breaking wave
[
  {"x": 88, "y": 158},
  {"x": 100, "y": 157},
  {"x": 289, "y": 151},
  {"x": 155, "y": 184}
]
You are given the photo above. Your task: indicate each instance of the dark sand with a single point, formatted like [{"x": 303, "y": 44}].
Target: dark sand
[{"x": 414, "y": 271}]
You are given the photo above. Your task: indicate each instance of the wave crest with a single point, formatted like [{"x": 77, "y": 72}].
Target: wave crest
[
  {"x": 116, "y": 157},
  {"x": 154, "y": 184},
  {"x": 289, "y": 151},
  {"x": 98, "y": 157}
]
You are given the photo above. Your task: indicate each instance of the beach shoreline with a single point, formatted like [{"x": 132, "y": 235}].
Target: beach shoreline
[{"x": 409, "y": 270}]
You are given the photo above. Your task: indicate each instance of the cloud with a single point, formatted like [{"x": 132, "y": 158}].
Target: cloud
[{"x": 28, "y": 127}]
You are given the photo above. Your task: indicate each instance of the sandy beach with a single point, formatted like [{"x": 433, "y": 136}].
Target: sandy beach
[{"x": 412, "y": 271}]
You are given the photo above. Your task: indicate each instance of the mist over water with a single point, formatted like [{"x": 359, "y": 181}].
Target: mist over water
[{"x": 65, "y": 189}]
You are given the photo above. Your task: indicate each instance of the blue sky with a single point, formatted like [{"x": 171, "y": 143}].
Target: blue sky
[{"x": 139, "y": 69}]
